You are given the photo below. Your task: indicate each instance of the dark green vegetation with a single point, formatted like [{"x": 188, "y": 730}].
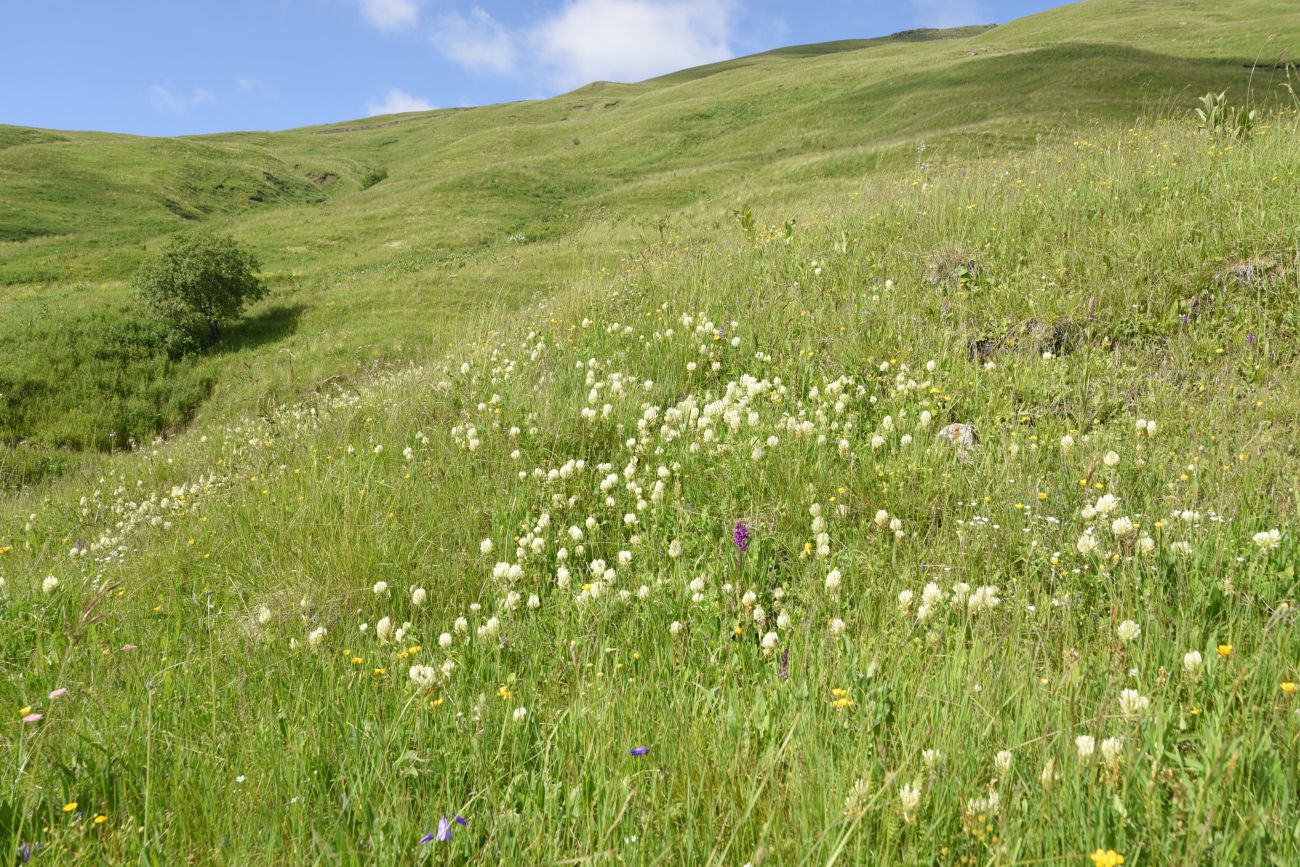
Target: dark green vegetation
[
  {"x": 196, "y": 285},
  {"x": 387, "y": 236}
]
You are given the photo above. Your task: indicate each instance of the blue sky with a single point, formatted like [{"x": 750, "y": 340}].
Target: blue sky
[{"x": 172, "y": 67}]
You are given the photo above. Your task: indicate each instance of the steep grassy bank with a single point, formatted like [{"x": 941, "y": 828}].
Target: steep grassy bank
[
  {"x": 385, "y": 238},
  {"x": 510, "y": 587}
]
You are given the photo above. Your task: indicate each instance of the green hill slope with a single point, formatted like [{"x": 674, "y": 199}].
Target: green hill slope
[
  {"x": 442, "y": 559},
  {"x": 533, "y": 190},
  {"x": 282, "y": 639}
]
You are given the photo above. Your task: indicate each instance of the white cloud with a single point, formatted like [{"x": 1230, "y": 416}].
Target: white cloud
[
  {"x": 629, "y": 40},
  {"x": 589, "y": 40},
  {"x": 477, "y": 42},
  {"x": 166, "y": 99},
  {"x": 396, "y": 101},
  {"x": 949, "y": 13},
  {"x": 391, "y": 14}
]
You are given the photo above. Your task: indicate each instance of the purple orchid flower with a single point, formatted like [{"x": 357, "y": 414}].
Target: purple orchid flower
[
  {"x": 740, "y": 536},
  {"x": 640, "y": 751}
]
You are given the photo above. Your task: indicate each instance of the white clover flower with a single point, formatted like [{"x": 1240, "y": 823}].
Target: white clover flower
[
  {"x": 520, "y": 713},
  {"x": 836, "y": 626},
  {"x": 263, "y": 615},
  {"x": 882, "y": 518},
  {"x": 675, "y": 549},
  {"x": 384, "y": 630},
  {"x": 485, "y": 547},
  {"x": 675, "y": 627},
  {"x": 423, "y": 676},
  {"x": 748, "y": 599},
  {"x": 418, "y": 596},
  {"x": 1122, "y": 526},
  {"x": 1128, "y": 631},
  {"x": 931, "y": 758},
  {"x": 461, "y": 625},
  {"x": 1110, "y": 459},
  {"x": 1048, "y": 776},
  {"x": 380, "y": 588},
  {"x": 1192, "y": 663},
  {"x": 931, "y": 595},
  {"x": 1085, "y": 746},
  {"x": 1106, "y": 504},
  {"x": 1067, "y": 443},
  {"x": 783, "y": 620},
  {"x": 770, "y": 641},
  {"x": 1086, "y": 544},
  {"x": 49, "y": 585},
  {"x": 1132, "y": 703},
  {"x": 1112, "y": 749},
  {"x": 316, "y": 636},
  {"x": 905, "y": 600},
  {"x": 833, "y": 580},
  {"x": 1002, "y": 762},
  {"x": 984, "y": 598},
  {"x": 857, "y": 798},
  {"x": 444, "y": 640},
  {"x": 1268, "y": 540},
  {"x": 909, "y": 798}
]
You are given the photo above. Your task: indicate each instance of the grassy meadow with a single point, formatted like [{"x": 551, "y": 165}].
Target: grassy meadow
[
  {"x": 387, "y": 240},
  {"x": 873, "y": 503}
]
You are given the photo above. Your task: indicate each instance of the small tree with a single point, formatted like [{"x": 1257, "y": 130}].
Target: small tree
[{"x": 197, "y": 283}]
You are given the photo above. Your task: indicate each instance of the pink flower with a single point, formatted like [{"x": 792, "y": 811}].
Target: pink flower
[
  {"x": 33, "y": 717},
  {"x": 59, "y": 693}
]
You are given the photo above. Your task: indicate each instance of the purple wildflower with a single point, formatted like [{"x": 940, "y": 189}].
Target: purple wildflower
[
  {"x": 1250, "y": 338},
  {"x": 443, "y": 834},
  {"x": 740, "y": 536},
  {"x": 640, "y": 751}
]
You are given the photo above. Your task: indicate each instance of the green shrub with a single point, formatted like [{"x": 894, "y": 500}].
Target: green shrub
[
  {"x": 196, "y": 283},
  {"x": 372, "y": 177}
]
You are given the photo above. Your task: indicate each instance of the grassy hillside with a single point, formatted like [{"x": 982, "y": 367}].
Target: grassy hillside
[
  {"x": 285, "y": 639},
  {"x": 534, "y": 191},
  {"x": 552, "y": 513}
]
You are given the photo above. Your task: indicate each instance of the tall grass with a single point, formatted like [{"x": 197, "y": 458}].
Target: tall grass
[{"x": 796, "y": 384}]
